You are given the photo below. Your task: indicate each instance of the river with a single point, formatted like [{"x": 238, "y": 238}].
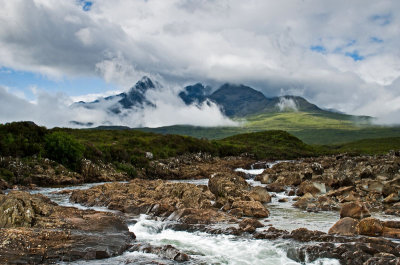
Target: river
[{"x": 205, "y": 248}]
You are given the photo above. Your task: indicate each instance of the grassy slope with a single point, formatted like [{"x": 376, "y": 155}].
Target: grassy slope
[{"x": 313, "y": 128}]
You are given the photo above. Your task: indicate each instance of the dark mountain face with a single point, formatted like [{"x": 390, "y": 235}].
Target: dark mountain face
[
  {"x": 195, "y": 94},
  {"x": 134, "y": 98},
  {"x": 239, "y": 100},
  {"x": 233, "y": 100}
]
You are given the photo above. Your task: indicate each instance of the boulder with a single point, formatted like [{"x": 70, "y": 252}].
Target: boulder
[
  {"x": 354, "y": 210},
  {"x": 392, "y": 198},
  {"x": 260, "y": 194},
  {"x": 224, "y": 185},
  {"x": 35, "y": 231},
  {"x": 311, "y": 187},
  {"x": 249, "y": 209},
  {"x": 370, "y": 227},
  {"x": 276, "y": 187},
  {"x": 250, "y": 225},
  {"x": 346, "y": 227}
]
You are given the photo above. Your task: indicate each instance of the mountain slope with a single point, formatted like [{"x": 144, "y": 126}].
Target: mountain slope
[{"x": 135, "y": 97}]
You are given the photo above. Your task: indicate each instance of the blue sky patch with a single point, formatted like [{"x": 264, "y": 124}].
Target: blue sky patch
[
  {"x": 382, "y": 20},
  {"x": 86, "y": 5},
  {"x": 23, "y": 81},
  {"x": 318, "y": 48},
  {"x": 376, "y": 40},
  {"x": 355, "y": 56}
]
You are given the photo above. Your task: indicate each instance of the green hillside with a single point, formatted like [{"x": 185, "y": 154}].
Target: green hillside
[{"x": 320, "y": 127}]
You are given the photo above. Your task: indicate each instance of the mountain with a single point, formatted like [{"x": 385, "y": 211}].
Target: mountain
[
  {"x": 241, "y": 101},
  {"x": 195, "y": 94},
  {"x": 135, "y": 97}
]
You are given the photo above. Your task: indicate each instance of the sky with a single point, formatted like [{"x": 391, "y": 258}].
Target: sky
[{"x": 336, "y": 53}]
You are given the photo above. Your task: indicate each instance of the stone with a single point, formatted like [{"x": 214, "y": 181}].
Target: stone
[
  {"x": 260, "y": 194},
  {"x": 392, "y": 198},
  {"x": 346, "y": 227},
  {"x": 249, "y": 209},
  {"x": 370, "y": 227},
  {"x": 224, "y": 185},
  {"x": 354, "y": 210},
  {"x": 47, "y": 233}
]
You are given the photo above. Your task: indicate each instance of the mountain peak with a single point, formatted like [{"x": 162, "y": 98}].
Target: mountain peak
[{"x": 143, "y": 85}]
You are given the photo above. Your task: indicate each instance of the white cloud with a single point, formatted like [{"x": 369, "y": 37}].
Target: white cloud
[
  {"x": 261, "y": 43},
  {"x": 287, "y": 104}
]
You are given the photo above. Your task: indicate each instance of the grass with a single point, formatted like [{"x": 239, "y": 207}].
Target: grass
[{"x": 322, "y": 128}]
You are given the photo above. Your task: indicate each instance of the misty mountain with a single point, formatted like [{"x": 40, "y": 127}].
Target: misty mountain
[
  {"x": 240, "y": 100},
  {"x": 233, "y": 100},
  {"x": 135, "y": 97}
]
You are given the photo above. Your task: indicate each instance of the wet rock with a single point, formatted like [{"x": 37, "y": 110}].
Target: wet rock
[
  {"x": 47, "y": 233},
  {"x": 200, "y": 216},
  {"x": 370, "y": 227},
  {"x": 3, "y": 184},
  {"x": 317, "y": 168},
  {"x": 271, "y": 233},
  {"x": 250, "y": 225},
  {"x": 392, "y": 198},
  {"x": 224, "y": 185},
  {"x": 260, "y": 194},
  {"x": 283, "y": 200},
  {"x": 303, "y": 201},
  {"x": 159, "y": 198},
  {"x": 311, "y": 187},
  {"x": 100, "y": 172},
  {"x": 354, "y": 210},
  {"x": 249, "y": 209},
  {"x": 276, "y": 187},
  {"x": 346, "y": 227},
  {"x": 166, "y": 251}
]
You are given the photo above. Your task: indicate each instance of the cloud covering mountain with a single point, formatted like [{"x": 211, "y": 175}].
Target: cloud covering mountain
[{"x": 338, "y": 54}]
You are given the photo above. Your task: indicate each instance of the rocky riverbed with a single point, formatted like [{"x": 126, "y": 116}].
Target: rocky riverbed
[{"x": 326, "y": 210}]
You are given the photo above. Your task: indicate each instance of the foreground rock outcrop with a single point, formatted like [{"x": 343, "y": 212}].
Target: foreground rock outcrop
[
  {"x": 183, "y": 202},
  {"x": 35, "y": 230},
  {"x": 45, "y": 172}
]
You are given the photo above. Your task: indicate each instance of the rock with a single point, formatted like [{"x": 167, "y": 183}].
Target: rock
[
  {"x": 47, "y": 233},
  {"x": 317, "y": 168},
  {"x": 346, "y": 227},
  {"x": 391, "y": 232},
  {"x": 367, "y": 173},
  {"x": 250, "y": 225},
  {"x": 249, "y": 208},
  {"x": 199, "y": 216},
  {"x": 392, "y": 198},
  {"x": 159, "y": 198},
  {"x": 276, "y": 187},
  {"x": 166, "y": 251},
  {"x": 260, "y": 194},
  {"x": 3, "y": 184},
  {"x": 283, "y": 200},
  {"x": 303, "y": 201},
  {"x": 370, "y": 227},
  {"x": 354, "y": 210},
  {"x": 311, "y": 187},
  {"x": 224, "y": 185}
]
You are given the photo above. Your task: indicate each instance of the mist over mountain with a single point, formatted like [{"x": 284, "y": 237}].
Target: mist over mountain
[{"x": 234, "y": 101}]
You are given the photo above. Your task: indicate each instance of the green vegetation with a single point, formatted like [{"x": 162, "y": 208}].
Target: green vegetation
[
  {"x": 63, "y": 148},
  {"x": 322, "y": 128},
  {"x": 369, "y": 146},
  {"x": 128, "y": 149}
]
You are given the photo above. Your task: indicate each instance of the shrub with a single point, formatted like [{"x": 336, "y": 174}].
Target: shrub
[{"x": 64, "y": 149}]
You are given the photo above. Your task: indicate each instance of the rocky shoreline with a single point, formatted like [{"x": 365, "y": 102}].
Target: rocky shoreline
[{"x": 35, "y": 230}]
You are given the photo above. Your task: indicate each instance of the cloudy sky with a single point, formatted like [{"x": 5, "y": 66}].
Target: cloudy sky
[{"x": 336, "y": 53}]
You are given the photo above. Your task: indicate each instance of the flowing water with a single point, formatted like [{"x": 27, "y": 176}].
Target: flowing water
[{"x": 205, "y": 248}]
